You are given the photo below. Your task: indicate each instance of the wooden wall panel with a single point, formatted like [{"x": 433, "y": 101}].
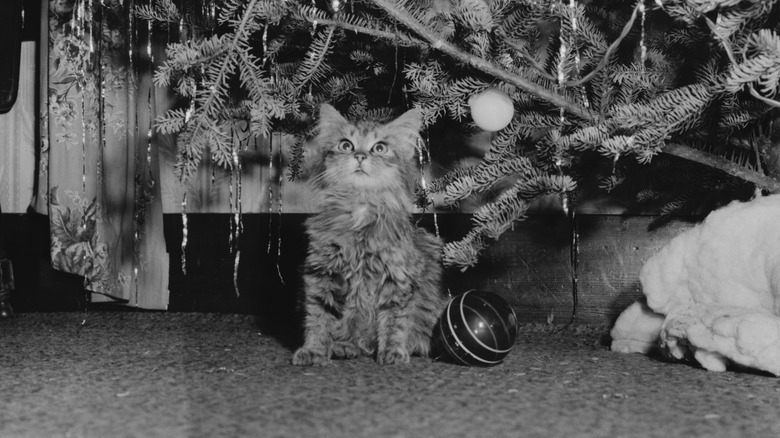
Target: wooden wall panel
[
  {"x": 530, "y": 265},
  {"x": 612, "y": 251}
]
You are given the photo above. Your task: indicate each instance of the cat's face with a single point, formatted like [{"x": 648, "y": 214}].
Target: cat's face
[{"x": 367, "y": 155}]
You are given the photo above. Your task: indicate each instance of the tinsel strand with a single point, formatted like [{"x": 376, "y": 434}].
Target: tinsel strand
[
  {"x": 424, "y": 152},
  {"x": 77, "y": 27},
  {"x": 102, "y": 100},
  {"x": 270, "y": 189},
  {"x": 435, "y": 215},
  {"x": 265, "y": 44},
  {"x": 80, "y": 21},
  {"x": 132, "y": 42},
  {"x": 101, "y": 103},
  {"x": 642, "y": 45},
  {"x": 235, "y": 209},
  {"x": 239, "y": 224},
  {"x": 314, "y": 22},
  {"x": 145, "y": 185},
  {"x": 130, "y": 39},
  {"x": 231, "y": 174},
  {"x": 83, "y": 145},
  {"x": 569, "y": 210},
  {"x": 85, "y": 18},
  {"x": 574, "y": 257},
  {"x": 89, "y": 23},
  {"x": 183, "y": 37},
  {"x": 184, "y": 232},
  {"x": 279, "y": 225}
]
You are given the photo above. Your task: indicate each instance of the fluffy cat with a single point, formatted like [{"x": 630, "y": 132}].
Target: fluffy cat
[{"x": 371, "y": 277}]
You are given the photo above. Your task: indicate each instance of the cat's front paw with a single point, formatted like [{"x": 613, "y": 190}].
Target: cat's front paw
[
  {"x": 345, "y": 350},
  {"x": 308, "y": 357},
  {"x": 393, "y": 356}
]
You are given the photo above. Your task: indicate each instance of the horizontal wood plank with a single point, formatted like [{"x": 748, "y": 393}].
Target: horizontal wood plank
[
  {"x": 612, "y": 251},
  {"x": 530, "y": 266}
]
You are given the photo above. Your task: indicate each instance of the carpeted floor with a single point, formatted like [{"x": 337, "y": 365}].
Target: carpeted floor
[{"x": 110, "y": 374}]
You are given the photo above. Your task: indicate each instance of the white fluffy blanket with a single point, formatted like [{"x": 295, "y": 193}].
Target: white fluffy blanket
[{"x": 713, "y": 292}]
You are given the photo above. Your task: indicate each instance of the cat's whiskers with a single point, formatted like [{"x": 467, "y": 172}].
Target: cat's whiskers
[{"x": 316, "y": 180}]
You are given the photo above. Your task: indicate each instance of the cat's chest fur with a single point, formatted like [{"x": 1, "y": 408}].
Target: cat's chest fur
[
  {"x": 362, "y": 216},
  {"x": 380, "y": 216},
  {"x": 362, "y": 225},
  {"x": 356, "y": 238}
]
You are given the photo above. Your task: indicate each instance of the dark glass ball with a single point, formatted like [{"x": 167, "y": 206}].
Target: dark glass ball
[{"x": 477, "y": 328}]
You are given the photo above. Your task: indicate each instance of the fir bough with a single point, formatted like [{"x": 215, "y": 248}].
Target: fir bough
[{"x": 597, "y": 98}]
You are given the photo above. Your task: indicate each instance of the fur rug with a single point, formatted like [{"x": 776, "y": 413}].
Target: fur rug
[{"x": 713, "y": 292}]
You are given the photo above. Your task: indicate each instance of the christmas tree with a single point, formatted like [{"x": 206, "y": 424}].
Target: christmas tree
[{"x": 602, "y": 92}]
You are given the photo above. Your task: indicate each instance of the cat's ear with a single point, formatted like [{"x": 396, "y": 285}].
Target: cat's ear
[
  {"x": 411, "y": 120},
  {"x": 330, "y": 116}
]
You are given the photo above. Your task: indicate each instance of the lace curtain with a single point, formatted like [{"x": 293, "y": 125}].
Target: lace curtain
[
  {"x": 98, "y": 176},
  {"x": 105, "y": 176}
]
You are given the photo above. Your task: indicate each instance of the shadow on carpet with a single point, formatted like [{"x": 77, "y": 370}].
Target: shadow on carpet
[{"x": 147, "y": 374}]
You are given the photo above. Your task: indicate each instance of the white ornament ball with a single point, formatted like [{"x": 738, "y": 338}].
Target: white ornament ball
[{"x": 491, "y": 109}]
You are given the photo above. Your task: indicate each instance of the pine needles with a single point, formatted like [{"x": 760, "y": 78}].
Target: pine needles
[{"x": 596, "y": 95}]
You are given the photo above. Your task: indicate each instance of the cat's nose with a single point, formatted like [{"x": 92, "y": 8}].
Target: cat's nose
[{"x": 360, "y": 156}]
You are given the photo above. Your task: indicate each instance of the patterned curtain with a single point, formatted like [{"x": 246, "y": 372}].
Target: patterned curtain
[{"x": 99, "y": 171}]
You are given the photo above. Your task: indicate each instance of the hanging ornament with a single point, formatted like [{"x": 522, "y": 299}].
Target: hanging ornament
[
  {"x": 477, "y": 328},
  {"x": 492, "y": 109}
]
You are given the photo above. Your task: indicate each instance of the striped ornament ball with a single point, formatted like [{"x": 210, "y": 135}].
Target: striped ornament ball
[{"x": 477, "y": 328}]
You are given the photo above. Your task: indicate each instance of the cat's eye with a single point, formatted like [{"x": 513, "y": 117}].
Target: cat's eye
[
  {"x": 345, "y": 146},
  {"x": 379, "y": 148}
]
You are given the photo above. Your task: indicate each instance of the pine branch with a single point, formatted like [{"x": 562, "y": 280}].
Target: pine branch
[
  {"x": 319, "y": 17},
  {"x": 442, "y": 45},
  {"x": 213, "y": 98},
  {"x": 163, "y": 11},
  {"x": 678, "y": 150},
  {"x": 495, "y": 218},
  {"x": 486, "y": 174},
  {"x": 635, "y": 108},
  {"x": 611, "y": 49},
  {"x": 464, "y": 252},
  {"x": 311, "y": 69},
  {"x": 770, "y": 184}
]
